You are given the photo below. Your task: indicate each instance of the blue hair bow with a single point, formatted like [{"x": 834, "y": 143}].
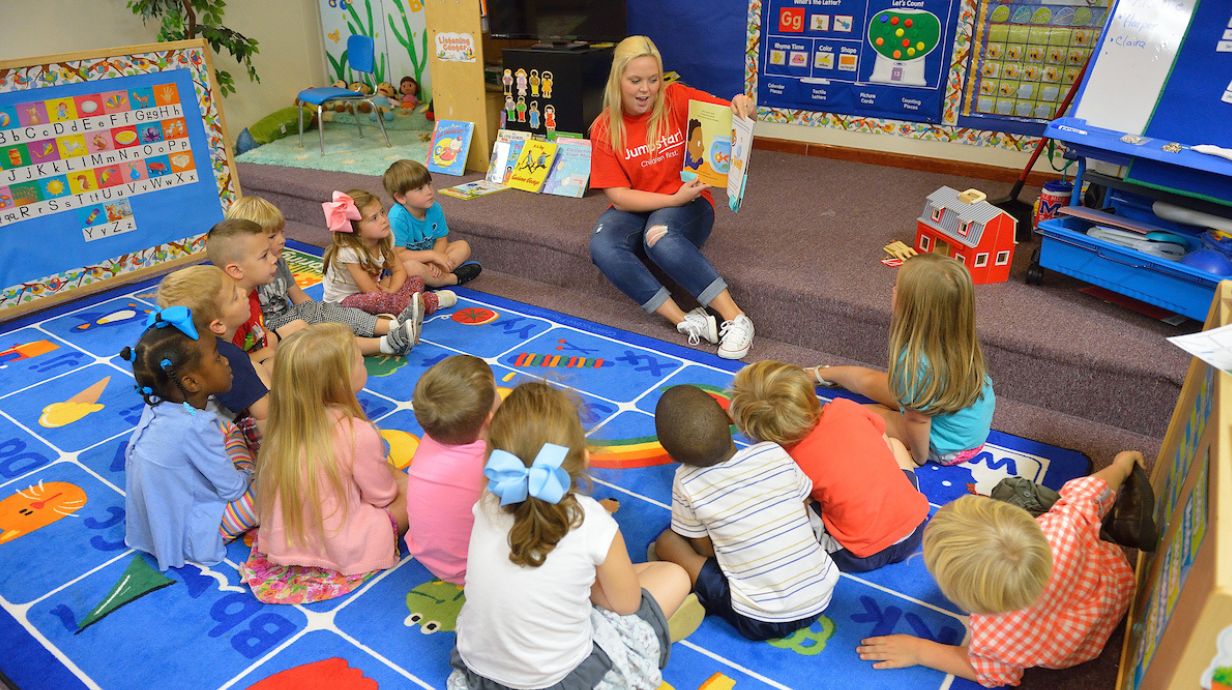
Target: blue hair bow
[
  {"x": 178, "y": 317},
  {"x": 512, "y": 480}
]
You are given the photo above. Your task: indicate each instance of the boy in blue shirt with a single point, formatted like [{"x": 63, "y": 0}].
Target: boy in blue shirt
[{"x": 420, "y": 231}]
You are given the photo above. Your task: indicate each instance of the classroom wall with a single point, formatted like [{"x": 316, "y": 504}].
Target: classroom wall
[{"x": 288, "y": 32}]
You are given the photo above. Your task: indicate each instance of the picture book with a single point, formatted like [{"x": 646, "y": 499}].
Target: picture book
[
  {"x": 708, "y": 144},
  {"x": 533, "y": 165},
  {"x": 473, "y": 190},
  {"x": 504, "y": 154},
  {"x": 451, "y": 141},
  {"x": 571, "y": 170},
  {"x": 742, "y": 147}
]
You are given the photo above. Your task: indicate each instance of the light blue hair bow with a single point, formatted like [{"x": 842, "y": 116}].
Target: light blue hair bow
[
  {"x": 512, "y": 480},
  {"x": 178, "y": 317}
]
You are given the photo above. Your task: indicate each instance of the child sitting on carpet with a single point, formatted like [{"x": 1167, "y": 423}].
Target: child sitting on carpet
[
  {"x": 421, "y": 235},
  {"x": 219, "y": 306},
  {"x": 865, "y": 483},
  {"x": 761, "y": 570},
  {"x": 1041, "y": 591},
  {"x": 361, "y": 269},
  {"x": 241, "y": 249},
  {"x": 187, "y": 473},
  {"x": 332, "y": 508},
  {"x": 282, "y": 300},
  {"x": 454, "y": 402},
  {"x": 551, "y": 595},
  {"x": 937, "y": 397}
]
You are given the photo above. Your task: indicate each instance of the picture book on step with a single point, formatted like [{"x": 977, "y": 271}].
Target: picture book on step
[
  {"x": 473, "y": 190},
  {"x": 505, "y": 152},
  {"x": 571, "y": 171},
  {"x": 533, "y": 165},
  {"x": 451, "y": 141},
  {"x": 708, "y": 142}
]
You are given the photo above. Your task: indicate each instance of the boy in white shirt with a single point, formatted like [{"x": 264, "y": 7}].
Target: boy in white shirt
[{"x": 740, "y": 527}]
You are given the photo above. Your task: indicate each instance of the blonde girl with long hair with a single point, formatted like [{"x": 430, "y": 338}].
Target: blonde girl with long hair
[
  {"x": 937, "y": 397},
  {"x": 332, "y": 508},
  {"x": 638, "y": 148},
  {"x": 548, "y": 576},
  {"x": 361, "y": 268}
]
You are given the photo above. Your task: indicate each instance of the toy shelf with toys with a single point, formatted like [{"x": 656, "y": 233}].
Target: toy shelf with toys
[{"x": 1159, "y": 234}]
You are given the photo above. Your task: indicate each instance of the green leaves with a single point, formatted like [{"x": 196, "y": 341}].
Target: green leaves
[{"x": 184, "y": 19}]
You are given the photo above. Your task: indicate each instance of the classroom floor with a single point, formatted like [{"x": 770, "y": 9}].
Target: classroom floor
[{"x": 80, "y": 609}]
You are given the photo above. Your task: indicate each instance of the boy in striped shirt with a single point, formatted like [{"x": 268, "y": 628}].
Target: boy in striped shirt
[{"x": 739, "y": 522}]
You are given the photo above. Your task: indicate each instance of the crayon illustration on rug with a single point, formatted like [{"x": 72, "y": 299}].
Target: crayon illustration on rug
[{"x": 81, "y": 609}]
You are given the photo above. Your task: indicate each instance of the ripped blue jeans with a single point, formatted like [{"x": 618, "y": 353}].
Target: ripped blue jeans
[{"x": 623, "y": 240}]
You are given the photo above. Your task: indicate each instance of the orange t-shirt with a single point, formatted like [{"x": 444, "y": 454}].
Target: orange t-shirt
[
  {"x": 867, "y": 503},
  {"x": 636, "y": 167}
]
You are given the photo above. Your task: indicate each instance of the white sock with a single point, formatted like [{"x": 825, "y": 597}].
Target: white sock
[{"x": 385, "y": 347}]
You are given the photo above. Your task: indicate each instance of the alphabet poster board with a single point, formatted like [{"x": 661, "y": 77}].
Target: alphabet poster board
[
  {"x": 1179, "y": 631},
  {"x": 113, "y": 164}
]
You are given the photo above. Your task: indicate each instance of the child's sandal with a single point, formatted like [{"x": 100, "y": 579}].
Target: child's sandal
[{"x": 821, "y": 381}]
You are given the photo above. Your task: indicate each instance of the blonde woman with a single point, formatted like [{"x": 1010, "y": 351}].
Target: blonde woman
[
  {"x": 332, "y": 508},
  {"x": 638, "y": 154},
  {"x": 937, "y": 396}
]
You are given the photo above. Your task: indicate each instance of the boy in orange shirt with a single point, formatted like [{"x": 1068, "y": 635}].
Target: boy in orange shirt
[{"x": 865, "y": 483}]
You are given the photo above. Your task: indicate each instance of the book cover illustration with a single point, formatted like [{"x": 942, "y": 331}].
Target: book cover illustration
[
  {"x": 708, "y": 144},
  {"x": 742, "y": 148},
  {"x": 531, "y": 170},
  {"x": 571, "y": 171},
  {"x": 473, "y": 190},
  {"x": 451, "y": 141},
  {"x": 504, "y": 154}
]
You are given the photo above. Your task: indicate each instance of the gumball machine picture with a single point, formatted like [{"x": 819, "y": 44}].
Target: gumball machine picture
[{"x": 902, "y": 39}]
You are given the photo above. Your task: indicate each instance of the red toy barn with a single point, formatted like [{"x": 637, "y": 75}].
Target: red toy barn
[{"x": 964, "y": 226}]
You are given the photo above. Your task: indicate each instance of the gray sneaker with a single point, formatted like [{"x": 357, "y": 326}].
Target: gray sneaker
[
  {"x": 399, "y": 340},
  {"x": 414, "y": 323},
  {"x": 698, "y": 325},
  {"x": 737, "y": 337}
]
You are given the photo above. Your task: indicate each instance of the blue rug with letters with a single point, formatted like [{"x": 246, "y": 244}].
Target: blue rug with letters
[{"x": 80, "y": 609}]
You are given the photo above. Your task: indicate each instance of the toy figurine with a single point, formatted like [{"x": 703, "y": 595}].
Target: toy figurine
[
  {"x": 384, "y": 101},
  {"x": 546, "y": 83},
  {"x": 534, "y": 114},
  {"x": 534, "y": 83},
  {"x": 520, "y": 77},
  {"x": 409, "y": 89}
]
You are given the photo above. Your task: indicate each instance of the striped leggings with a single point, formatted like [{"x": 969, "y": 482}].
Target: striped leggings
[
  {"x": 392, "y": 302},
  {"x": 239, "y": 515}
]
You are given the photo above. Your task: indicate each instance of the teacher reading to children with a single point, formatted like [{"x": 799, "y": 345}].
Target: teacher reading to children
[{"x": 639, "y": 144}]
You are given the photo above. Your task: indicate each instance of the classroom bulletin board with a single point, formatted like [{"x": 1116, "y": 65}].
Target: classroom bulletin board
[
  {"x": 113, "y": 164},
  {"x": 1179, "y": 630},
  {"x": 966, "y": 100}
]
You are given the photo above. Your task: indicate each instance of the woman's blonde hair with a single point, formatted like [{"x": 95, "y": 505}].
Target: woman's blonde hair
[
  {"x": 627, "y": 51},
  {"x": 260, "y": 211},
  {"x": 351, "y": 240},
  {"x": 312, "y": 377},
  {"x": 532, "y": 415},
  {"x": 987, "y": 556},
  {"x": 934, "y": 321},
  {"x": 773, "y": 401}
]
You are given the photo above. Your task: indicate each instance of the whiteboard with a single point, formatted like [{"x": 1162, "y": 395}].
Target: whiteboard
[{"x": 1135, "y": 56}]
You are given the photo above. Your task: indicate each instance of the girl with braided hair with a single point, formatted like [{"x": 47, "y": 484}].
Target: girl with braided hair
[{"x": 188, "y": 473}]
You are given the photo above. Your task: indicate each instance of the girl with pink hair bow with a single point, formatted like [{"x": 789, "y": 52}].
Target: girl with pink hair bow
[{"x": 361, "y": 270}]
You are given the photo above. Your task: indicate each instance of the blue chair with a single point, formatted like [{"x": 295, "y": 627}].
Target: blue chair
[{"x": 361, "y": 57}]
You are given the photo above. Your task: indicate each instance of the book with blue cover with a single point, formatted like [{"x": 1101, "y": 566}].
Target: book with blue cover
[
  {"x": 571, "y": 169},
  {"x": 451, "y": 141}
]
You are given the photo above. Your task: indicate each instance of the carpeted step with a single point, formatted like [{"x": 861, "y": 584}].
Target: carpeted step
[{"x": 802, "y": 258}]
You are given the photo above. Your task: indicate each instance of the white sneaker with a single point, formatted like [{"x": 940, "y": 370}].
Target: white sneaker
[
  {"x": 737, "y": 337},
  {"x": 446, "y": 298},
  {"x": 699, "y": 324}
]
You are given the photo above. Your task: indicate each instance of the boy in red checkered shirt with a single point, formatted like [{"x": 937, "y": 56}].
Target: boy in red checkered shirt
[{"x": 1041, "y": 591}]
